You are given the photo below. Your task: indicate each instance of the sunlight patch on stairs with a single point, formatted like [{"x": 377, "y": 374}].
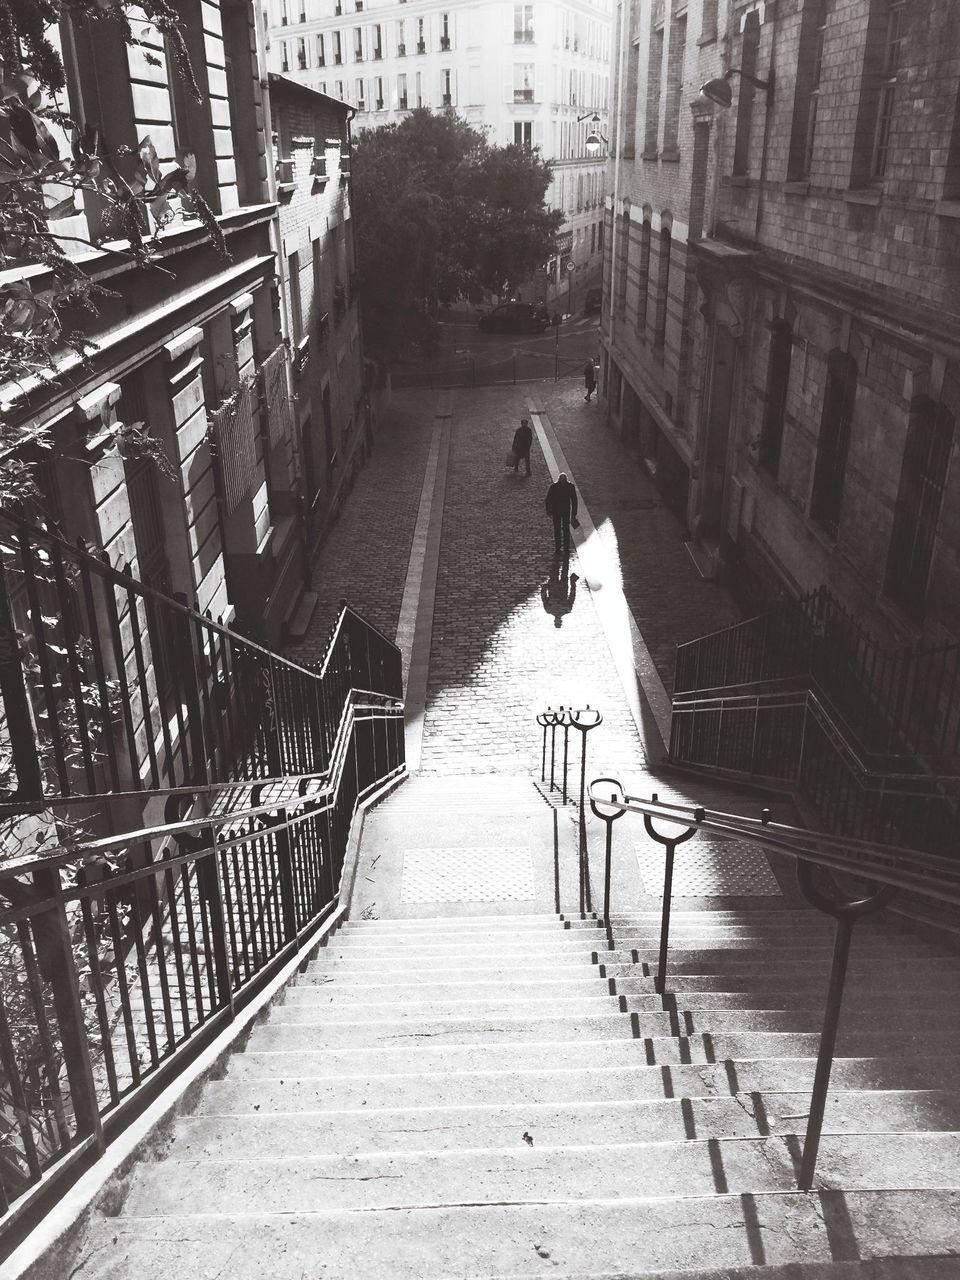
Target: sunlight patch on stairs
[{"x": 709, "y": 869}]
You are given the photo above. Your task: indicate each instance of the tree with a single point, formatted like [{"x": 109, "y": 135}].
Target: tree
[{"x": 440, "y": 212}]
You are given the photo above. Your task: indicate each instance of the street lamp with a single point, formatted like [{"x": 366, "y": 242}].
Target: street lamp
[
  {"x": 719, "y": 91},
  {"x": 595, "y": 141}
]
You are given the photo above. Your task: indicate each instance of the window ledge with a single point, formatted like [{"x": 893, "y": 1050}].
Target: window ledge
[
  {"x": 649, "y": 155},
  {"x": 708, "y": 37},
  {"x": 670, "y": 155},
  {"x": 819, "y": 534},
  {"x": 739, "y": 180},
  {"x": 796, "y": 188},
  {"x": 947, "y": 208},
  {"x": 862, "y": 195}
]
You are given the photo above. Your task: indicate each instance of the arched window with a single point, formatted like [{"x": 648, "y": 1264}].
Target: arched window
[
  {"x": 833, "y": 442},
  {"x": 778, "y": 379},
  {"x": 919, "y": 499},
  {"x": 644, "y": 286},
  {"x": 623, "y": 266}
]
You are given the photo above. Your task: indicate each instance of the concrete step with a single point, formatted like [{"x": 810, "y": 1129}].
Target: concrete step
[
  {"x": 610, "y": 1041},
  {"x": 307, "y": 1080},
  {"x": 589, "y": 1236},
  {"x": 233, "y": 1135},
  {"x": 534, "y": 1174},
  {"x": 311, "y": 1006},
  {"x": 341, "y": 993},
  {"x": 575, "y": 943},
  {"x": 534, "y": 927}
]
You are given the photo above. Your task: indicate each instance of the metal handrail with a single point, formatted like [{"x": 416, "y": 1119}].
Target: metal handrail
[
  {"x": 886, "y": 868},
  {"x": 583, "y": 719}
]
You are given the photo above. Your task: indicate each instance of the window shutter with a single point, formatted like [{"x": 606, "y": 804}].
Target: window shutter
[
  {"x": 538, "y": 134},
  {"x": 508, "y": 84},
  {"x": 540, "y": 81}
]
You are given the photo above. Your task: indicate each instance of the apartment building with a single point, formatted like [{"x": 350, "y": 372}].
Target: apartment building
[
  {"x": 816, "y": 305},
  {"x": 528, "y": 72}
]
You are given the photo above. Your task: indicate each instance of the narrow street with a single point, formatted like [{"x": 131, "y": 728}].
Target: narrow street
[{"x": 496, "y": 654}]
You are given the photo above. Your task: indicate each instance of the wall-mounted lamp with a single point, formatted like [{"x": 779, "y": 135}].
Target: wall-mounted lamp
[
  {"x": 719, "y": 91},
  {"x": 595, "y": 141}
]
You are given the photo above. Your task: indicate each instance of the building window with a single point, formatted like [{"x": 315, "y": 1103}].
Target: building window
[
  {"x": 523, "y": 24},
  {"x": 421, "y": 38},
  {"x": 775, "y": 408},
  {"x": 833, "y": 442},
  {"x": 360, "y": 98},
  {"x": 523, "y": 79},
  {"x": 284, "y": 13},
  {"x": 419, "y": 89},
  {"x": 284, "y": 56},
  {"x": 402, "y": 92},
  {"x": 806, "y": 98},
  {"x": 624, "y": 262},
  {"x": 747, "y": 93},
  {"x": 378, "y": 87},
  {"x": 676, "y": 66},
  {"x": 377, "y": 42},
  {"x": 523, "y": 134},
  {"x": 923, "y": 477},
  {"x": 301, "y": 53},
  {"x": 600, "y": 226},
  {"x": 447, "y": 92},
  {"x": 337, "y": 49},
  {"x": 644, "y": 286},
  {"x": 888, "y": 87},
  {"x": 445, "y": 31},
  {"x": 654, "y": 71},
  {"x": 358, "y": 44},
  {"x": 293, "y": 286},
  {"x": 401, "y": 43},
  {"x": 663, "y": 282}
]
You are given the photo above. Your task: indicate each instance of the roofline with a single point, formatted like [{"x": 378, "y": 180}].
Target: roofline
[{"x": 288, "y": 82}]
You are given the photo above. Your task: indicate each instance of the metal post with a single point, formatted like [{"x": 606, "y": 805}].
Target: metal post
[
  {"x": 609, "y": 819},
  {"x": 828, "y": 1042},
  {"x": 566, "y": 743},
  {"x": 554, "y": 721},
  {"x": 669, "y": 843}
]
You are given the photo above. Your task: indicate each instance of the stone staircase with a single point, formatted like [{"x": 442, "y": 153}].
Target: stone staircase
[{"x": 494, "y": 1096}]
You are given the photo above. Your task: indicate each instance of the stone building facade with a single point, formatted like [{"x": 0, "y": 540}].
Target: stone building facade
[
  {"x": 816, "y": 431},
  {"x": 527, "y": 72}
]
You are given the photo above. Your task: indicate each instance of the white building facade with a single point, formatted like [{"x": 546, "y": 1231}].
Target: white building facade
[{"x": 526, "y": 71}]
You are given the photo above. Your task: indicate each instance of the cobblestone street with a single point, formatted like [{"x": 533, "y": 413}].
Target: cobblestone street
[{"x": 497, "y": 654}]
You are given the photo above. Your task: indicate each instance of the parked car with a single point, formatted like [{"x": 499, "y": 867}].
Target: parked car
[
  {"x": 592, "y": 302},
  {"x": 516, "y": 317}
]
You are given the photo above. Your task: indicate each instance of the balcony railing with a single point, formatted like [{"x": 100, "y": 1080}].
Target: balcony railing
[
  {"x": 447, "y": 99},
  {"x": 445, "y": 44},
  {"x": 523, "y": 95},
  {"x": 401, "y": 50},
  {"x": 421, "y": 46},
  {"x": 379, "y": 104},
  {"x": 402, "y": 103}
]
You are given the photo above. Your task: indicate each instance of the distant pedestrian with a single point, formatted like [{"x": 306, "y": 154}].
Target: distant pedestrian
[
  {"x": 561, "y": 505},
  {"x": 589, "y": 379},
  {"x": 522, "y": 440}
]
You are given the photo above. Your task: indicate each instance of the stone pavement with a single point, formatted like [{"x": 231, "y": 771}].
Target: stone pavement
[{"x": 498, "y": 654}]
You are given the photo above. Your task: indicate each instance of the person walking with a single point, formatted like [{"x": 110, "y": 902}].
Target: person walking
[
  {"x": 589, "y": 379},
  {"x": 561, "y": 506},
  {"x": 522, "y": 440}
]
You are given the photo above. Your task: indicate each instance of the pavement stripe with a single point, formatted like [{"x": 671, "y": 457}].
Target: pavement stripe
[
  {"x": 415, "y": 628},
  {"x": 647, "y": 698}
]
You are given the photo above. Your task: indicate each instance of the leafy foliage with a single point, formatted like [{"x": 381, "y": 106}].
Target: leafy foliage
[
  {"x": 440, "y": 212},
  {"x": 47, "y": 161}
]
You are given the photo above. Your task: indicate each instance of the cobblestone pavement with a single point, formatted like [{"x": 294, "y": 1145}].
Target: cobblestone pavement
[
  {"x": 669, "y": 599},
  {"x": 497, "y": 655},
  {"x": 363, "y": 559}
]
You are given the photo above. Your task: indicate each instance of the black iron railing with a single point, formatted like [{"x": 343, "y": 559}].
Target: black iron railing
[
  {"x": 562, "y": 720},
  {"x": 108, "y": 686},
  {"x": 883, "y": 869},
  {"x": 896, "y": 701},
  {"x": 120, "y": 958}
]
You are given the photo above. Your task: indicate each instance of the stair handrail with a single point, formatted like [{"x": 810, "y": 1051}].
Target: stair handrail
[
  {"x": 583, "y": 719},
  {"x": 817, "y": 855}
]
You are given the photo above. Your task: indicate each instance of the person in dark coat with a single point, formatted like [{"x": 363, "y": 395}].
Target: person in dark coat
[
  {"x": 561, "y": 505},
  {"x": 589, "y": 379},
  {"x": 522, "y": 440}
]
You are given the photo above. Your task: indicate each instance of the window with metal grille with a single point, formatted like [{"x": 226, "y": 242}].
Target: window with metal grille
[
  {"x": 235, "y": 446},
  {"x": 806, "y": 99},
  {"x": 919, "y": 499},
  {"x": 888, "y": 87},
  {"x": 663, "y": 282},
  {"x": 747, "y": 93},
  {"x": 833, "y": 442},
  {"x": 778, "y": 379},
  {"x": 644, "y": 286}
]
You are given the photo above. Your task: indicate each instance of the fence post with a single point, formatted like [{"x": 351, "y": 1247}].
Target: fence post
[
  {"x": 55, "y": 957},
  {"x": 16, "y": 704},
  {"x": 287, "y": 893}
]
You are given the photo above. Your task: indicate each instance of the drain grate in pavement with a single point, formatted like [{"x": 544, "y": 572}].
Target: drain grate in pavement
[
  {"x": 709, "y": 869},
  {"x": 475, "y": 874}
]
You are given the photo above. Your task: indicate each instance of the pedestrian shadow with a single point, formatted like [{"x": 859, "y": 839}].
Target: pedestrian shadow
[{"x": 559, "y": 593}]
